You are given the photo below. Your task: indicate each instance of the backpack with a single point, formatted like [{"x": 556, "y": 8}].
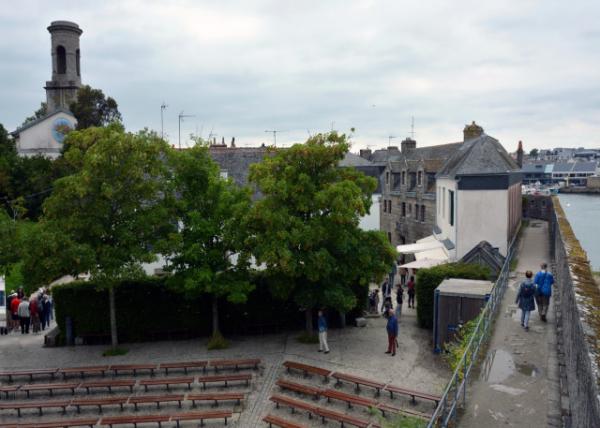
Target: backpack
[{"x": 528, "y": 289}]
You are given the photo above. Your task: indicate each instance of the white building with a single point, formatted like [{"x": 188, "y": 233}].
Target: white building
[{"x": 45, "y": 136}]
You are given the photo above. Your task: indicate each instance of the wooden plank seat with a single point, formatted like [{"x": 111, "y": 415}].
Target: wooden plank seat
[
  {"x": 40, "y": 405},
  {"x": 82, "y": 371},
  {"x": 228, "y": 396},
  {"x": 109, "y": 384},
  {"x": 99, "y": 402},
  {"x": 342, "y": 418},
  {"x": 412, "y": 394},
  {"x": 135, "y": 419},
  {"x": 201, "y": 416},
  {"x": 8, "y": 389},
  {"x": 383, "y": 407},
  {"x": 157, "y": 399},
  {"x": 357, "y": 381},
  {"x": 280, "y": 422},
  {"x": 185, "y": 365},
  {"x": 167, "y": 381},
  {"x": 349, "y": 399},
  {"x": 224, "y": 378},
  {"x": 87, "y": 422},
  {"x": 10, "y": 374},
  {"x": 50, "y": 387},
  {"x": 134, "y": 368},
  {"x": 293, "y": 404},
  {"x": 298, "y": 387},
  {"x": 306, "y": 369},
  {"x": 236, "y": 364}
]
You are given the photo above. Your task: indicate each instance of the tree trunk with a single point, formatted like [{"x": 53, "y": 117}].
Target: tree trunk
[
  {"x": 215, "y": 315},
  {"x": 343, "y": 319},
  {"x": 113, "y": 317},
  {"x": 309, "y": 320}
]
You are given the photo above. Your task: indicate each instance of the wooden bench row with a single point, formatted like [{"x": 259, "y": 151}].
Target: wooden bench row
[
  {"x": 133, "y": 368},
  {"x": 122, "y": 401},
  {"x": 126, "y": 383},
  {"x": 360, "y": 381},
  {"x": 349, "y": 399},
  {"x": 128, "y": 420}
]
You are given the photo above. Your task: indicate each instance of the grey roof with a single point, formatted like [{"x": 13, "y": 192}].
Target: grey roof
[
  {"x": 534, "y": 167},
  {"x": 442, "y": 151},
  {"x": 41, "y": 119},
  {"x": 563, "y": 167},
  {"x": 237, "y": 160},
  {"x": 481, "y": 155},
  {"x": 383, "y": 155},
  {"x": 352, "y": 159},
  {"x": 585, "y": 166}
]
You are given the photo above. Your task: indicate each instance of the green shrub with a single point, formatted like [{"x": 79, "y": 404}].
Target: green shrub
[
  {"x": 308, "y": 338},
  {"x": 115, "y": 352},
  {"x": 457, "y": 347},
  {"x": 429, "y": 279},
  {"x": 217, "y": 341}
]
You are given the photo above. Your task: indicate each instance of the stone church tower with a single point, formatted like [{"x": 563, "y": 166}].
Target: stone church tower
[{"x": 66, "y": 65}]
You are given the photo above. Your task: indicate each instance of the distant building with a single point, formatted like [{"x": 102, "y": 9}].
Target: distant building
[
  {"x": 45, "y": 136},
  {"x": 538, "y": 172},
  {"x": 574, "y": 173}
]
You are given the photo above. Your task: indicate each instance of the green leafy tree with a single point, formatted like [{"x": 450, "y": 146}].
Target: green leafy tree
[
  {"x": 93, "y": 108},
  {"x": 306, "y": 228},
  {"x": 38, "y": 114},
  {"x": 534, "y": 153},
  {"x": 207, "y": 255},
  {"x": 115, "y": 207}
]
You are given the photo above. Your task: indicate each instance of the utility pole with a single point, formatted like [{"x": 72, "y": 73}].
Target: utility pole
[
  {"x": 163, "y": 106},
  {"x": 274, "y": 132},
  {"x": 390, "y": 138},
  {"x": 181, "y": 116}
]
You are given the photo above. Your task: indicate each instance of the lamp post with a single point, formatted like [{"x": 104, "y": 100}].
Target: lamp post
[{"x": 163, "y": 106}]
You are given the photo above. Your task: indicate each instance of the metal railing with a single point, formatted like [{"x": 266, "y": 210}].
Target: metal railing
[{"x": 455, "y": 392}]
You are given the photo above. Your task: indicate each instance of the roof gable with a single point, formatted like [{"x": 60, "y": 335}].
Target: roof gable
[{"x": 42, "y": 119}]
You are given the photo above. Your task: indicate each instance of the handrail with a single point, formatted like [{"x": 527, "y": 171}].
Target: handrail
[{"x": 456, "y": 388}]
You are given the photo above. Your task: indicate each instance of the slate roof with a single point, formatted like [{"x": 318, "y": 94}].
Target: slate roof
[
  {"x": 352, "y": 159},
  {"x": 237, "y": 160},
  {"x": 534, "y": 168},
  {"x": 563, "y": 167},
  {"x": 585, "y": 166},
  {"x": 481, "y": 155}
]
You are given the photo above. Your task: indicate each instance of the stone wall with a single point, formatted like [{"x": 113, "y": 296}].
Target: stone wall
[
  {"x": 577, "y": 305},
  {"x": 539, "y": 207}
]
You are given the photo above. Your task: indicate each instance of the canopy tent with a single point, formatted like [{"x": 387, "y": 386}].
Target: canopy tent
[
  {"x": 428, "y": 248},
  {"x": 424, "y": 263}
]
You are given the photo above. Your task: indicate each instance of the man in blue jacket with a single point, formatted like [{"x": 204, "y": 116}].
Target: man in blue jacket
[
  {"x": 392, "y": 331},
  {"x": 322, "y": 324},
  {"x": 543, "y": 290}
]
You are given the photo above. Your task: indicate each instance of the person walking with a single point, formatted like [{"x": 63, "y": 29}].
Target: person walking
[
  {"x": 24, "y": 315},
  {"x": 322, "y": 325},
  {"x": 34, "y": 314},
  {"x": 14, "y": 310},
  {"x": 526, "y": 299},
  {"x": 411, "y": 292},
  {"x": 392, "y": 332},
  {"x": 386, "y": 291},
  {"x": 399, "y": 301},
  {"x": 43, "y": 303},
  {"x": 543, "y": 282}
]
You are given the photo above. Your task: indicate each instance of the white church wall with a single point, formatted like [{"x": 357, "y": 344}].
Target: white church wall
[{"x": 45, "y": 137}]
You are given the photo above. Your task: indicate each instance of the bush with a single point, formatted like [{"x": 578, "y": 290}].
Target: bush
[
  {"x": 429, "y": 279},
  {"x": 115, "y": 352},
  {"x": 217, "y": 341},
  {"x": 308, "y": 338}
]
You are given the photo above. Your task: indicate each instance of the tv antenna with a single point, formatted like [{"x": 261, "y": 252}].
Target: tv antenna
[
  {"x": 412, "y": 127},
  {"x": 181, "y": 116},
  {"x": 163, "y": 106},
  {"x": 390, "y": 138},
  {"x": 274, "y": 132}
]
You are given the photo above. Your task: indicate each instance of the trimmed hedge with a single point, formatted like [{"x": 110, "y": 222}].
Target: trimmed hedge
[
  {"x": 148, "y": 310},
  {"x": 429, "y": 279}
]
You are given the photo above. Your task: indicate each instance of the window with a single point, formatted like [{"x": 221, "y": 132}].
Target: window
[
  {"x": 78, "y": 62},
  {"x": 409, "y": 209},
  {"x": 403, "y": 209},
  {"x": 423, "y": 213},
  {"x": 444, "y": 202},
  {"x": 420, "y": 178},
  {"x": 384, "y": 205},
  {"x": 61, "y": 60},
  {"x": 387, "y": 178},
  {"x": 390, "y": 206},
  {"x": 403, "y": 178},
  {"x": 451, "y": 206},
  {"x": 416, "y": 212},
  {"x": 390, "y": 237}
]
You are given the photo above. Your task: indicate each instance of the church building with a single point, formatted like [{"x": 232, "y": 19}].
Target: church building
[{"x": 45, "y": 136}]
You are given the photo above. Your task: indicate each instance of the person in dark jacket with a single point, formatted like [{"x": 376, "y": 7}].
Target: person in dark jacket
[
  {"x": 392, "y": 331},
  {"x": 399, "y": 300},
  {"x": 543, "y": 282},
  {"x": 322, "y": 325},
  {"x": 411, "y": 292},
  {"x": 526, "y": 299}
]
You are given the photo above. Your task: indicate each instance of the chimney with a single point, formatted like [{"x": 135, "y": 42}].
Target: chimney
[
  {"x": 520, "y": 154},
  {"x": 366, "y": 154},
  {"x": 472, "y": 131},
  {"x": 407, "y": 145},
  {"x": 232, "y": 141}
]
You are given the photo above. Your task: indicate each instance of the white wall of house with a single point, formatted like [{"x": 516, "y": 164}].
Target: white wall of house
[
  {"x": 39, "y": 139},
  {"x": 443, "y": 215},
  {"x": 482, "y": 215},
  {"x": 371, "y": 221}
]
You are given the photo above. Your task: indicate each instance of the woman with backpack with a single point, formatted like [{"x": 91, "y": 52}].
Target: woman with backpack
[{"x": 526, "y": 299}]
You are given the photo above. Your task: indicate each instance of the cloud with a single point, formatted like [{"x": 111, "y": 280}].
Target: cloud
[{"x": 524, "y": 70}]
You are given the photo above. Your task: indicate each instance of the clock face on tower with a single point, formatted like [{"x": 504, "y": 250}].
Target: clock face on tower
[{"x": 60, "y": 128}]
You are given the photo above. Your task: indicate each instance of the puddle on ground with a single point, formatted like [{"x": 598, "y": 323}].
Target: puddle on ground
[
  {"x": 497, "y": 366},
  {"x": 528, "y": 370}
]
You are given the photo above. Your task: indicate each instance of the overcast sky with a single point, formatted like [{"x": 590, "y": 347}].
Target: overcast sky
[{"x": 524, "y": 70}]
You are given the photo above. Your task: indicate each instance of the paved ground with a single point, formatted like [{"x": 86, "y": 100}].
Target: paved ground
[
  {"x": 358, "y": 351},
  {"x": 518, "y": 381}
]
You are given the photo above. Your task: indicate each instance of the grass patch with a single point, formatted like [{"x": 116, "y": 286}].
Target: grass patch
[
  {"x": 398, "y": 421},
  {"x": 514, "y": 263},
  {"x": 217, "y": 341},
  {"x": 308, "y": 338},
  {"x": 115, "y": 352}
]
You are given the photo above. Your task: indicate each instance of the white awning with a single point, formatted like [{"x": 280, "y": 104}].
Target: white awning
[
  {"x": 424, "y": 263},
  {"x": 420, "y": 246}
]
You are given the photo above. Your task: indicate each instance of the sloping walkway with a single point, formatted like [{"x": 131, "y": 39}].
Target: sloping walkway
[{"x": 518, "y": 384}]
